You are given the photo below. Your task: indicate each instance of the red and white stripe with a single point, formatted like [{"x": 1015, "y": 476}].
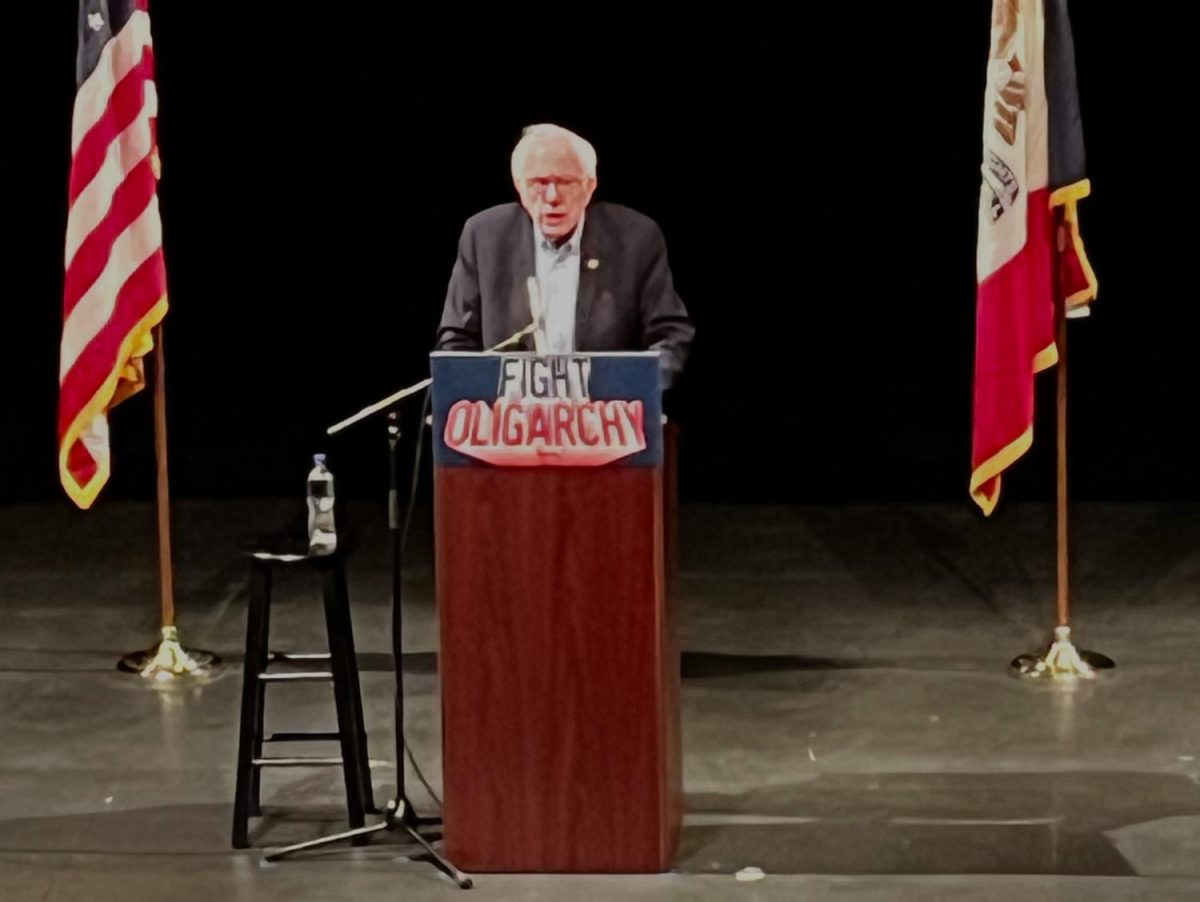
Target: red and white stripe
[{"x": 115, "y": 286}]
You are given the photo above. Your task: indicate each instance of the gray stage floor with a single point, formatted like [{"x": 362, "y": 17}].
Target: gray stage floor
[{"x": 849, "y": 723}]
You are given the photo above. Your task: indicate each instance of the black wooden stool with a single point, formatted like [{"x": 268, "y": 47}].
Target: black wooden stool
[{"x": 342, "y": 672}]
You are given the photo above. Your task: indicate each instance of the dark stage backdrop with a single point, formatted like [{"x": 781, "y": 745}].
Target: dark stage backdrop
[{"x": 815, "y": 171}]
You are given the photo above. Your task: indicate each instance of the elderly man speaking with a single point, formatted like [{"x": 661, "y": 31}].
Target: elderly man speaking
[{"x": 603, "y": 283}]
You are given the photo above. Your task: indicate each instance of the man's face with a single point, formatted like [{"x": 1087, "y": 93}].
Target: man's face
[{"x": 553, "y": 188}]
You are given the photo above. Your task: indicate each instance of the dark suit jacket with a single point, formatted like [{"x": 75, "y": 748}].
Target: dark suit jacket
[{"x": 626, "y": 300}]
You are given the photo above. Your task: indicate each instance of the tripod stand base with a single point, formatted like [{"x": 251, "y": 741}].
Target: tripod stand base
[
  {"x": 397, "y": 816},
  {"x": 169, "y": 660},
  {"x": 1062, "y": 663}
]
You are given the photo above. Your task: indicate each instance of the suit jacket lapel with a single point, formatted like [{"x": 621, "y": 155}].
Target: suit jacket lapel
[
  {"x": 592, "y": 254},
  {"x": 521, "y": 255}
]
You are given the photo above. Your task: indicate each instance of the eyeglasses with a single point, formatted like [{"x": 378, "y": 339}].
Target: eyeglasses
[{"x": 539, "y": 186}]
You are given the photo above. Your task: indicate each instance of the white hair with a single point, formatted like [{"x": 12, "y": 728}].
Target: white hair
[{"x": 533, "y": 133}]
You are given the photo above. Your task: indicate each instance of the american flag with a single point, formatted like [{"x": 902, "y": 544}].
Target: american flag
[{"x": 115, "y": 287}]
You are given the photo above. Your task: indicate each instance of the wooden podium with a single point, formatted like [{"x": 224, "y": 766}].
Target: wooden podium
[{"x": 559, "y": 665}]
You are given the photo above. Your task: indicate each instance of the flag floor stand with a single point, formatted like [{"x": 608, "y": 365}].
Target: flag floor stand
[
  {"x": 169, "y": 660},
  {"x": 1062, "y": 662}
]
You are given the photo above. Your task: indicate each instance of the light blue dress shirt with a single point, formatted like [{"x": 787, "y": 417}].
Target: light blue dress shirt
[{"x": 558, "y": 287}]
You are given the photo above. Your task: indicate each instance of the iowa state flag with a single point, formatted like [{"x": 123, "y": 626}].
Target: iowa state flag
[
  {"x": 1029, "y": 256},
  {"x": 114, "y": 289}
]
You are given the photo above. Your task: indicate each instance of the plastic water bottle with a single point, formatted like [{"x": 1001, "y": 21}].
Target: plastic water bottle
[{"x": 322, "y": 537}]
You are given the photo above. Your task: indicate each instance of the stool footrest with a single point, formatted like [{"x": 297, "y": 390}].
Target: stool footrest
[
  {"x": 303, "y": 737},
  {"x": 297, "y": 762},
  {"x": 317, "y": 676},
  {"x": 295, "y": 656}
]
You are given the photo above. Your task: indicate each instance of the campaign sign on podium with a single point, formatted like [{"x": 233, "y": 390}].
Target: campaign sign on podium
[{"x": 521, "y": 410}]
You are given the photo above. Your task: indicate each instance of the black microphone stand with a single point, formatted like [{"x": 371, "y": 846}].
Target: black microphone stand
[{"x": 399, "y": 813}]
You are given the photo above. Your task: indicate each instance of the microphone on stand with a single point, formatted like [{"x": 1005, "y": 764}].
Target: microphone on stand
[
  {"x": 538, "y": 314},
  {"x": 536, "y": 328}
]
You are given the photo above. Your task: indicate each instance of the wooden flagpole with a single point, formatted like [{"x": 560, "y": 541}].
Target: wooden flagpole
[
  {"x": 169, "y": 659},
  {"x": 1063, "y": 661},
  {"x": 165, "y": 572},
  {"x": 1064, "y": 596}
]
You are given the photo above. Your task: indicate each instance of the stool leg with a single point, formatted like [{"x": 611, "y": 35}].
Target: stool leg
[
  {"x": 355, "y": 692},
  {"x": 264, "y": 660},
  {"x": 251, "y": 668},
  {"x": 334, "y": 594}
]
